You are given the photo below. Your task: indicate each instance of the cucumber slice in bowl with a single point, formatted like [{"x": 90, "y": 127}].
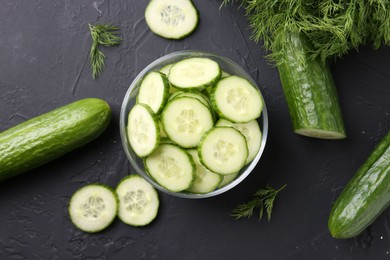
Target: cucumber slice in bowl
[
  {"x": 205, "y": 180},
  {"x": 143, "y": 130},
  {"x": 194, "y": 74},
  {"x": 235, "y": 99},
  {"x": 223, "y": 150},
  {"x": 94, "y": 207},
  {"x": 154, "y": 91},
  {"x": 138, "y": 201},
  {"x": 252, "y": 133},
  {"x": 185, "y": 120},
  {"x": 172, "y": 19},
  {"x": 171, "y": 166}
]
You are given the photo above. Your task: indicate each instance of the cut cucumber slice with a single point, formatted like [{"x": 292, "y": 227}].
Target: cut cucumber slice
[
  {"x": 205, "y": 180},
  {"x": 252, "y": 133},
  {"x": 236, "y": 100},
  {"x": 142, "y": 130},
  {"x": 185, "y": 120},
  {"x": 92, "y": 208},
  {"x": 172, "y": 167},
  {"x": 225, "y": 74},
  {"x": 166, "y": 69},
  {"x": 227, "y": 179},
  {"x": 154, "y": 91},
  {"x": 194, "y": 74},
  {"x": 138, "y": 201},
  {"x": 223, "y": 150},
  {"x": 202, "y": 98},
  {"x": 172, "y": 19}
]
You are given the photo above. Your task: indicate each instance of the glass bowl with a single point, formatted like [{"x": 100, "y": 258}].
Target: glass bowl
[{"x": 129, "y": 101}]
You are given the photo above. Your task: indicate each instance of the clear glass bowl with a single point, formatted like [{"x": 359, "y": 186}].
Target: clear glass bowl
[{"x": 129, "y": 101}]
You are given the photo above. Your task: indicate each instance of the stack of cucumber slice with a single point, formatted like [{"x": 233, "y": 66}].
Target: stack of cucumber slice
[{"x": 195, "y": 125}]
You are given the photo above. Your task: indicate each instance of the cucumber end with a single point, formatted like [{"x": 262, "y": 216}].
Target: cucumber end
[{"x": 321, "y": 134}]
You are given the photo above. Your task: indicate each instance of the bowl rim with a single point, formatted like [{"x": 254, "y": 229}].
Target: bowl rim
[{"x": 123, "y": 119}]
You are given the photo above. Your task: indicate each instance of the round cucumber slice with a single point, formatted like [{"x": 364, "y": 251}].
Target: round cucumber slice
[
  {"x": 171, "y": 166},
  {"x": 227, "y": 179},
  {"x": 172, "y": 19},
  {"x": 205, "y": 180},
  {"x": 252, "y": 133},
  {"x": 154, "y": 91},
  {"x": 92, "y": 208},
  {"x": 223, "y": 150},
  {"x": 235, "y": 99},
  {"x": 185, "y": 120},
  {"x": 143, "y": 130},
  {"x": 194, "y": 74},
  {"x": 138, "y": 201}
]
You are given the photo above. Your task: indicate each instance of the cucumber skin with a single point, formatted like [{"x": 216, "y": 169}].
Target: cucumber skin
[
  {"x": 365, "y": 196},
  {"x": 310, "y": 92},
  {"x": 51, "y": 135}
]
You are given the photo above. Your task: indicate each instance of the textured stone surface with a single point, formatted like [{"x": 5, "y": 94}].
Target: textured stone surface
[{"x": 44, "y": 64}]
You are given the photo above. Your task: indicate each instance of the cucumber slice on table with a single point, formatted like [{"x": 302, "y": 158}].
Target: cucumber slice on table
[
  {"x": 252, "y": 133},
  {"x": 194, "y": 74},
  {"x": 143, "y": 130},
  {"x": 171, "y": 166},
  {"x": 185, "y": 120},
  {"x": 172, "y": 19},
  {"x": 236, "y": 99},
  {"x": 205, "y": 180},
  {"x": 154, "y": 91},
  {"x": 138, "y": 201},
  {"x": 223, "y": 150},
  {"x": 92, "y": 208}
]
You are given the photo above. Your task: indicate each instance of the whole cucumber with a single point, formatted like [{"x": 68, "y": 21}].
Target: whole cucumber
[
  {"x": 51, "y": 135},
  {"x": 365, "y": 196}
]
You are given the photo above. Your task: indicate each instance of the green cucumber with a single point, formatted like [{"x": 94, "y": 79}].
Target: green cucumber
[
  {"x": 365, "y": 196},
  {"x": 51, "y": 135},
  {"x": 310, "y": 93}
]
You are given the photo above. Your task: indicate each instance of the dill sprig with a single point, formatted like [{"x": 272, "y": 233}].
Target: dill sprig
[
  {"x": 331, "y": 28},
  {"x": 105, "y": 35},
  {"x": 263, "y": 200}
]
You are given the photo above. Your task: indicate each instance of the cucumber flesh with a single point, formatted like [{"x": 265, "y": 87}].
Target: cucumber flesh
[
  {"x": 143, "y": 130},
  {"x": 236, "y": 99},
  {"x": 205, "y": 180},
  {"x": 138, "y": 201},
  {"x": 185, "y": 120},
  {"x": 365, "y": 196},
  {"x": 166, "y": 68},
  {"x": 171, "y": 166},
  {"x": 223, "y": 150},
  {"x": 154, "y": 91},
  {"x": 194, "y": 74},
  {"x": 310, "y": 93},
  {"x": 227, "y": 179},
  {"x": 252, "y": 133},
  {"x": 92, "y": 208},
  {"x": 172, "y": 19}
]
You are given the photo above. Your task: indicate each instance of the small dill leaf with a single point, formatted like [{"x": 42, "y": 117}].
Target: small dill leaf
[{"x": 263, "y": 200}]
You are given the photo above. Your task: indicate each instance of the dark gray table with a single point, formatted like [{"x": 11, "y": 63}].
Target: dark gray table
[{"x": 44, "y": 64}]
